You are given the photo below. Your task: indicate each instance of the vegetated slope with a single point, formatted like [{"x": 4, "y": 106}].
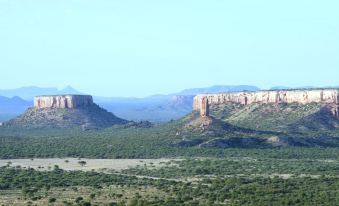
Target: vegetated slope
[
  {"x": 87, "y": 117},
  {"x": 261, "y": 125},
  {"x": 190, "y": 135},
  {"x": 277, "y": 117},
  {"x": 195, "y": 130}
]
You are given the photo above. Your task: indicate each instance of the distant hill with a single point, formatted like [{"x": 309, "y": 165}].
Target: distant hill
[
  {"x": 219, "y": 89},
  {"x": 89, "y": 117},
  {"x": 161, "y": 108},
  {"x": 260, "y": 125},
  {"x": 156, "y": 108},
  {"x": 279, "y": 88},
  {"x": 15, "y": 101},
  {"x": 11, "y": 107},
  {"x": 294, "y": 117},
  {"x": 303, "y": 87},
  {"x": 28, "y": 93}
]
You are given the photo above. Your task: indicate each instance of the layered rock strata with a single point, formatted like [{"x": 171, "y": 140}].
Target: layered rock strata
[
  {"x": 63, "y": 101},
  {"x": 326, "y": 96},
  {"x": 204, "y": 110}
]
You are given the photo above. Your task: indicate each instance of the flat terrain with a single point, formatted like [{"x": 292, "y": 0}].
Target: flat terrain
[
  {"x": 294, "y": 177},
  {"x": 70, "y": 164}
]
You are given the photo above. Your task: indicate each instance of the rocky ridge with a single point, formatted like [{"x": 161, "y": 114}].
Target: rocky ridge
[
  {"x": 325, "y": 96},
  {"x": 263, "y": 119},
  {"x": 63, "y": 101}
]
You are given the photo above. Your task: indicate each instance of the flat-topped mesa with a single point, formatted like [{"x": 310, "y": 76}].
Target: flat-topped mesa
[
  {"x": 63, "y": 101},
  {"x": 326, "y": 96}
]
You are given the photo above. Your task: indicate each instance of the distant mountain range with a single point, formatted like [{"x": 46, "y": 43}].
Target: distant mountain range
[
  {"x": 28, "y": 93},
  {"x": 156, "y": 108},
  {"x": 160, "y": 108},
  {"x": 11, "y": 107},
  {"x": 219, "y": 89}
]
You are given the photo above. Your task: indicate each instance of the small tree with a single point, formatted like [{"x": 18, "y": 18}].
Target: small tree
[
  {"x": 92, "y": 196},
  {"x": 86, "y": 204},
  {"x": 82, "y": 163},
  {"x": 79, "y": 199}
]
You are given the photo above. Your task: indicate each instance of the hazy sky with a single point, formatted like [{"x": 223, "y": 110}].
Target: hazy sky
[{"x": 138, "y": 48}]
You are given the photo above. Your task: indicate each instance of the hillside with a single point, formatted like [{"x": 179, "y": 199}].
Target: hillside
[
  {"x": 87, "y": 118},
  {"x": 210, "y": 132},
  {"x": 224, "y": 125},
  {"x": 282, "y": 117},
  {"x": 284, "y": 110},
  {"x": 65, "y": 111},
  {"x": 172, "y": 139},
  {"x": 263, "y": 118}
]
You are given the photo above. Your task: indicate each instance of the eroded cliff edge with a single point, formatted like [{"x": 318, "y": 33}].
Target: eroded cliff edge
[
  {"x": 330, "y": 97},
  {"x": 65, "y": 111},
  {"x": 63, "y": 101}
]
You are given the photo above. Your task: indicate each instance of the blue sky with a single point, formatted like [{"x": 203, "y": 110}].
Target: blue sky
[{"x": 138, "y": 48}]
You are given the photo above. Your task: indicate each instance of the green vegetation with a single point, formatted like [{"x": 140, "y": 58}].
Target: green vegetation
[
  {"x": 73, "y": 187},
  {"x": 232, "y": 126},
  {"x": 241, "y": 167},
  {"x": 133, "y": 143},
  {"x": 276, "y": 117},
  {"x": 233, "y": 161},
  {"x": 142, "y": 140},
  {"x": 90, "y": 117},
  {"x": 114, "y": 189},
  {"x": 210, "y": 176}
]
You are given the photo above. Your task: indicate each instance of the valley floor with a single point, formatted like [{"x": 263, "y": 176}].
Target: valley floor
[
  {"x": 82, "y": 164},
  {"x": 242, "y": 180}
]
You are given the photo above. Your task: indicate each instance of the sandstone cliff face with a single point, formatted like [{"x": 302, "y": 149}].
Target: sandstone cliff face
[
  {"x": 326, "y": 96},
  {"x": 204, "y": 110},
  {"x": 63, "y": 101}
]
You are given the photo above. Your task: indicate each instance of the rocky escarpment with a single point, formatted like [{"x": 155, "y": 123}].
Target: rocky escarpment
[
  {"x": 262, "y": 119},
  {"x": 329, "y": 97},
  {"x": 63, "y": 101},
  {"x": 65, "y": 111}
]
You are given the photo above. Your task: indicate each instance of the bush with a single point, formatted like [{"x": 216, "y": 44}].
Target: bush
[
  {"x": 92, "y": 196},
  {"x": 86, "y": 204},
  {"x": 79, "y": 199},
  {"x": 52, "y": 199}
]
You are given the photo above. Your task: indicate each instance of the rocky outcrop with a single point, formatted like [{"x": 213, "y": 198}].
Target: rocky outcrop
[
  {"x": 63, "y": 101},
  {"x": 325, "y": 96},
  {"x": 65, "y": 111},
  {"x": 204, "y": 109},
  {"x": 335, "y": 110}
]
